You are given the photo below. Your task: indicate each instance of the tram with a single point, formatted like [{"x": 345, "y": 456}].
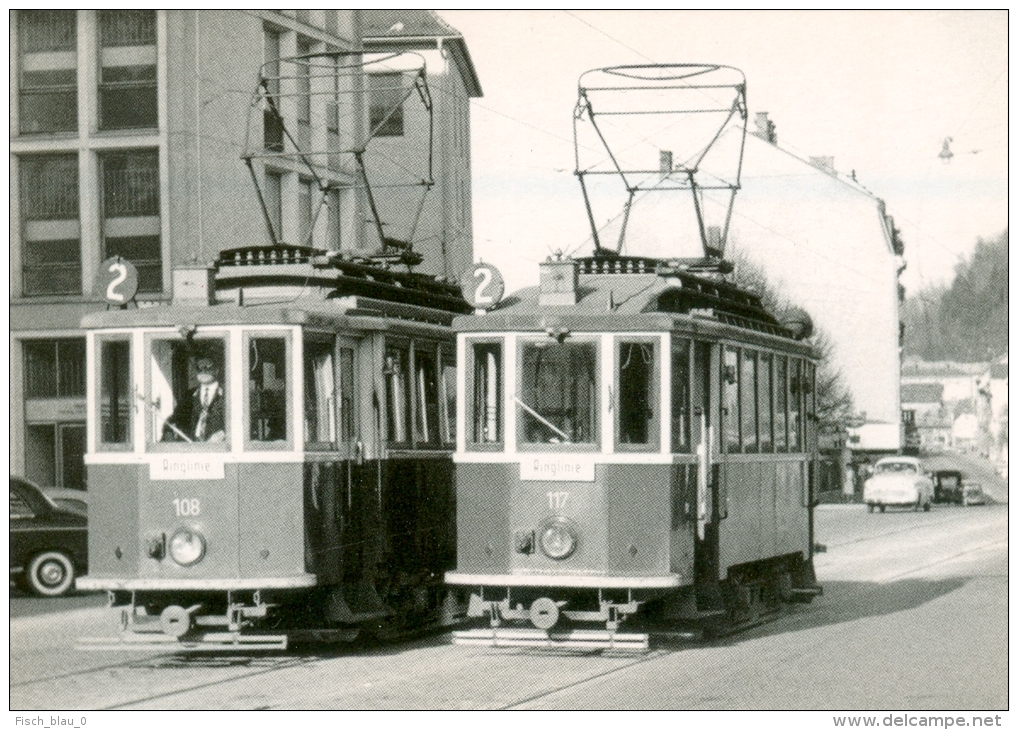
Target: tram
[
  {"x": 269, "y": 455},
  {"x": 637, "y": 435}
]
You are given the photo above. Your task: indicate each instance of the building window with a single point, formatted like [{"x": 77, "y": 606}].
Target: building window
[
  {"x": 305, "y": 209},
  {"x": 127, "y": 80},
  {"x": 386, "y": 104},
  {"x": 54, "y": 368},
  {"x": 48, "y": 78},
  {"x": 51, "y": 254},
  {"x": 131, "y": 226},
  {"x": 272, "y": 132}
]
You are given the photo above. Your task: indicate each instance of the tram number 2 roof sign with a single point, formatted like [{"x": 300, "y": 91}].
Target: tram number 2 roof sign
[
  {"x": 117, "y": 281},
  {"x": 483, "y": 286}
]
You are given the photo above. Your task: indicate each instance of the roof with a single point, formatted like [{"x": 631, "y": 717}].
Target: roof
[
  {"x": 922, "y": 392},
  {"x": 389, "y": 29}
]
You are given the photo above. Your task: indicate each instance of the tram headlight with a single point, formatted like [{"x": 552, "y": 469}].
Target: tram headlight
[
  {"x": 187, "y": 546},
  {"x": 558, "y": 539}
]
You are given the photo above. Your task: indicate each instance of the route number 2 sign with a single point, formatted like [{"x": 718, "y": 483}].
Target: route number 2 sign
[
  {"x": 117, "y": 280},
  {"x": 482, "y": 286}
]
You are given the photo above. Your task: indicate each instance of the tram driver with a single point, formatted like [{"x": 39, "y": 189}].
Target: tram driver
[{"x": 200, "y": 415}]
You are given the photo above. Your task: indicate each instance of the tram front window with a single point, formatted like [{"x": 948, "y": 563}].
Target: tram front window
[
  {"x": 266, "y": 387},
  {"x": 115, "y": 393},
  {"x": 186, "y": 401},
  {"x": 558, "y": 393}
]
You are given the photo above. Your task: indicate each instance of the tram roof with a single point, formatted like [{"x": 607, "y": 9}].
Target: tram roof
[{"x": 644, "y": 302}]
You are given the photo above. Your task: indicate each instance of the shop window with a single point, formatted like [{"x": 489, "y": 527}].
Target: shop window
[
  {"x": 115, "y": 392},
  {"x": 319, "y": 393},
  {"x": 131, "y": 224},
  {"x": 188, "y": 392},
  {"x": 637, "y": 401},
  {"x": 54, "y": 368},
  {"x": 127, "y": 83},
  {"x": 386, "y": 104},
  {"x": 558, "y": 393},
  {"x": 48, "y": 71},
  {"x": 396, "y": 395},
  {"x": 51, "y": 250},
  {"x": 485, "y": 400},
  {"x": 266, "y": 389},
  {"x": 426, "y": 388}
]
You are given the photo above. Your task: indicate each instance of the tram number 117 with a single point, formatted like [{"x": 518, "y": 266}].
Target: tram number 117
[{"x": 557, "y": 500}]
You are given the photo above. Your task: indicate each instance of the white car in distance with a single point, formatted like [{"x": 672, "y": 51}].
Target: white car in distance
[{"x": 898, "y": 481}]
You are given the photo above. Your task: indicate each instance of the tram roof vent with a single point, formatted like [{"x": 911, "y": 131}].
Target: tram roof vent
[
  {"x": 194, "y": 284},
  {"x": 559, "y": 282}
]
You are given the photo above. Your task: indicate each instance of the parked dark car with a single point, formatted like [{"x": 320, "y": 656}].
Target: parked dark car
[
  {"x": 947, "y": 486},
  {"x": 49, "y": 544}
]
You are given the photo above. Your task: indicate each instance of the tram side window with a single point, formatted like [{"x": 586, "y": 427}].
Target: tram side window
[
  {"x": 396, "y": 395},
  {"x": 780, "y": 404},
  {"x": 794, "y": 420},
  {"x": 747, "y": 402},
  {"x": 115, "y": 392},
  {"x": 764, "y": 403},
  {"x": 319, "y": 393},
  {"x": 188, "y": 391},
  {"x": 730, "y": 404},
  {"x": 485, "y": 406},
  {"x": 266, "y": 388},
  {"x": 680, "y": 397},
  {"x": 636, "y": 393},
  {"x": 449, "y": 395},
  {"x": 426, "y": 412},
  {"x": 348, "y": 430}
]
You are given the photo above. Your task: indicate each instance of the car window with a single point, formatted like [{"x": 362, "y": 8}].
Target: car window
[
  {"x": 895, "y": 467},
  {"x": 19, "y": 507}
]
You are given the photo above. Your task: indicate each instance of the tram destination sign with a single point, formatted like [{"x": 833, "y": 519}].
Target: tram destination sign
[
  {"x": 557, "y": 468},
  {"x": 198, "y": 466}
]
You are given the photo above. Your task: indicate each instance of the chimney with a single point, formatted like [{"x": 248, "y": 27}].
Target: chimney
[
  {"x": 765, "y": 128},
  {"x": 194, "y": 285},
  {"x": 824, "y": 163},
  {"x": 559, "y": 283}
]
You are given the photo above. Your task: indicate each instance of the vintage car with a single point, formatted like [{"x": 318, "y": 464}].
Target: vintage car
[
  {"x": 947, "y": 486},
  {"x": 49, "y": 544},
  {"x": 973, "y": 494},
  {"x": 898, "y": 481}
]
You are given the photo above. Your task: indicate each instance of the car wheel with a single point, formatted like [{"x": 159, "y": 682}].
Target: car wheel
[
  {"x": 50, "y": 574},
  {"x": 883, "y": 508},
  {"x": 927, "y": 506},
  {"x": 869, "y": 507}
]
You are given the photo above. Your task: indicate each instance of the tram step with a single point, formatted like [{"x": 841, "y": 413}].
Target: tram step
[
  {"x": 211, "y": 642},
  {"x": 537, "y": 638}
]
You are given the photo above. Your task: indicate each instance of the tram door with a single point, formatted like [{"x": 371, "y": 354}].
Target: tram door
[{"x": 710, "y": 495}]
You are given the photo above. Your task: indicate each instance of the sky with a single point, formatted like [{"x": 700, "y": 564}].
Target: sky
[{"x": 877, "y": 91}]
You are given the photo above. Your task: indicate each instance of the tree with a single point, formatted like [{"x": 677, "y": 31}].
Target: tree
[{"x": 967, "y": 320}]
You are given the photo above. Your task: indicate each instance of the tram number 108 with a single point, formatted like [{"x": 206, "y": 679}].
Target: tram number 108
[{"x": 187, "y": 507}]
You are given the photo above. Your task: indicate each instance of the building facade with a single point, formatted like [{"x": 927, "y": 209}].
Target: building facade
[
  {"x": 441, "y": 229},
  {"x": 829, "y": 246},
  {"x": 127, "y": 133}
]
